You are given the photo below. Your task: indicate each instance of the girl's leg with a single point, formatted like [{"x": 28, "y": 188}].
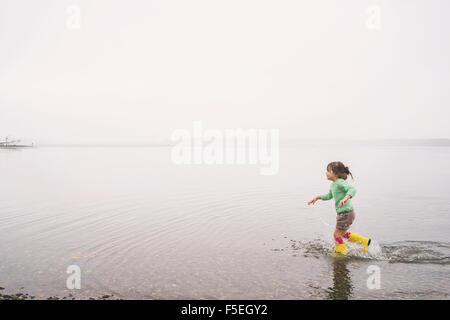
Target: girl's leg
[
  {"x": 343, "y": 222},
  {"x": 347, "y": 219},
  {"x": 338, "y": 234},
  {"x": 354, "y": 237},
  {"x": 338, "y": 242}
]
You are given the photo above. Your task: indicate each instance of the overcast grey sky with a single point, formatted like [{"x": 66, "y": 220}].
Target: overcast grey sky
[{"x": 137, "y": 70}]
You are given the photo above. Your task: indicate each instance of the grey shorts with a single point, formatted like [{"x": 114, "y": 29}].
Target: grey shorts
[{"x": 344, "y": 220}]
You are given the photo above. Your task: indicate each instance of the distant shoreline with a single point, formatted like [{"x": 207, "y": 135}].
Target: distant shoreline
[
  {"x": 283, "y": 142},
  {"x": 14, "y": 146}
]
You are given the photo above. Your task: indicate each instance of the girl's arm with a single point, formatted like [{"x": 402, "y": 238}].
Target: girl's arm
[
  {"x": 327, "y": 196},
  {"x": 349, "y": 190},
  {"x": 314, "y": 200}
]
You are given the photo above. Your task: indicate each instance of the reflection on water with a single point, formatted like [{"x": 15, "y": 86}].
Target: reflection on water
[{"x": 342, "y": 282}]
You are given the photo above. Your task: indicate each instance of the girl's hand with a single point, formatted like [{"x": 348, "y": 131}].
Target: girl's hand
[
  {"x": 313, "y": 200},
  {"x": 343, "y": 201}
]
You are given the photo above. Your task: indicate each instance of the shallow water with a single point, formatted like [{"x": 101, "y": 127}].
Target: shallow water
[{"x": 141, "y": 227}]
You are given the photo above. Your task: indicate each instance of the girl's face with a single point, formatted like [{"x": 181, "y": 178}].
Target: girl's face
[{"x": 331, "y": 175}]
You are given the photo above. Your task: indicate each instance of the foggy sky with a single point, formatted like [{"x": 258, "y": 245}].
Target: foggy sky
[{"x": 136, "y": 71}]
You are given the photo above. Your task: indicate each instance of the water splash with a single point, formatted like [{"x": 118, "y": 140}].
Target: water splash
[
  {"x": 423, "y": 252},
  {"x": 417, "y": 252}
]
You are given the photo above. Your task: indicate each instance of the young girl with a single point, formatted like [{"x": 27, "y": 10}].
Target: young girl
[{"x": 341, "y": 191}]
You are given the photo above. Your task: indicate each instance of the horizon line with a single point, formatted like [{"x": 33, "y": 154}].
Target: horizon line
[{"x": 395, "y": 141}]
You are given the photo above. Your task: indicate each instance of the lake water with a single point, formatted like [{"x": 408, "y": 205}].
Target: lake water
[{"x": 140, "y": 227}]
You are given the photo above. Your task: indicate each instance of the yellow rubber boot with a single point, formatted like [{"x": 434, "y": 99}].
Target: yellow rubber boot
[
  {"x": 341, "y": 248},
  {"x": 365, "y": 242}
]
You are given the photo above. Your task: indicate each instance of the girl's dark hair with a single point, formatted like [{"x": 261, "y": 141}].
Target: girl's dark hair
[{"x": 339, "y": 169}]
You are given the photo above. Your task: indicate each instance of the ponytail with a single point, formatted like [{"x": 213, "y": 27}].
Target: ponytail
[
  {"x": 347, "y": 171},
  {"x": 339, "y": 169}
]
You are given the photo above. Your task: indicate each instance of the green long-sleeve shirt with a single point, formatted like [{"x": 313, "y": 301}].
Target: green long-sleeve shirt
[{"x": 338, "y": 190}]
